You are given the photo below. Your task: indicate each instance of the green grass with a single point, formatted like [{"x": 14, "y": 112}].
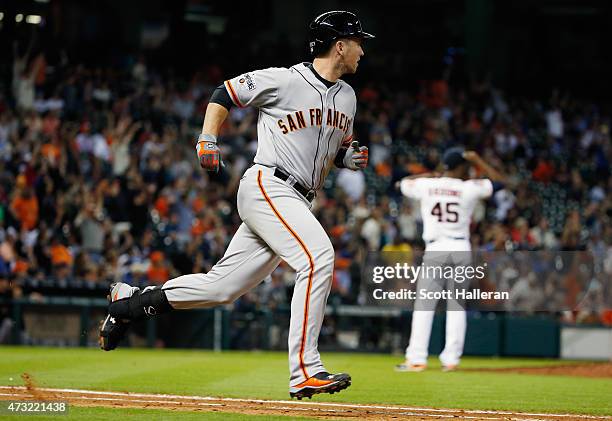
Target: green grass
[{"x": 265, "y": 375}]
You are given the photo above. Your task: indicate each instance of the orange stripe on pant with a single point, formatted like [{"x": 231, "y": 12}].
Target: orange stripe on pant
[{"x": 310, "y": 273}]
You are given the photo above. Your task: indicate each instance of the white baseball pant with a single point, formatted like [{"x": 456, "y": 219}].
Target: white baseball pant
[{"x": 439, "y": 253}]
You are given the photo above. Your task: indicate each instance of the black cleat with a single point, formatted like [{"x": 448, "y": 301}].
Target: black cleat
[
  {"x": 112, "y": 331},
  {"x": 320, "y": 383}
]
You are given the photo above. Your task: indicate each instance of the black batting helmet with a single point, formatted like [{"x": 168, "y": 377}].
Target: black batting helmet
[{"x": 330, "y": 26}]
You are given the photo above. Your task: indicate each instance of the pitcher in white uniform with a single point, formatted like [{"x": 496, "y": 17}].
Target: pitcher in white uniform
[
  {"x": 447, "y": 203},
  {"x": 305, "y": 127}
]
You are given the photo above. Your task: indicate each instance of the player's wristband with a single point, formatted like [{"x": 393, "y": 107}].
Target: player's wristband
[
  {"x": 221, "y": 97},
  {"x": 206, "y": 137},
  {"x": 339, "y": 159}
]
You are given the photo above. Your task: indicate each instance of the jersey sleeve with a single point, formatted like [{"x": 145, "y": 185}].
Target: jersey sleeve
[
  {"x": 258, "y": 89},
  {"x": 481, "y": 188},
  {"x": 348, "y": 136},
  {"x": 412, "y": 188}
]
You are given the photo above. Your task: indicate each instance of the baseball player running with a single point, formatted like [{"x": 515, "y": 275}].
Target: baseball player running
[
  {"x": 447, "y": 204},
  {"x": 305, "y": 126}
]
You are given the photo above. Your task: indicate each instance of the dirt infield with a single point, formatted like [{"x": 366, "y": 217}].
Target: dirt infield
[
  {"x": 601, "y": 370},
  {"x": 313, "y": 409}
]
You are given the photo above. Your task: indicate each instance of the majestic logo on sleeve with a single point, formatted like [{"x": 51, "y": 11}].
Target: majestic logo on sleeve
[
  {"x": 250, "y": 83},
  {"x": 314, "y": 118}
]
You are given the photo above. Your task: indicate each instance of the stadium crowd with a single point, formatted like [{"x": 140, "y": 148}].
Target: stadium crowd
[{"x": 99, "y": 180}]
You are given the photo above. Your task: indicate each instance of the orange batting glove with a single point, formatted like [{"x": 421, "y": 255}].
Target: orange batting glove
[
  {"x": 356, "y": 157},
  {"x": 209, "y": 154}
]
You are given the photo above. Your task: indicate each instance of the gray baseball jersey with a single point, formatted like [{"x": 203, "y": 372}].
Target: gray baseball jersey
[{"x": 302, "y": 123}]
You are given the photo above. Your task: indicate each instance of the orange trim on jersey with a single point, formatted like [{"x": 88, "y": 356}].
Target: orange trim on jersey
[
  {"x": 346, "y": 141},
  {"x": 310, "y": 273},
  {"x": 230, "y": 89}
]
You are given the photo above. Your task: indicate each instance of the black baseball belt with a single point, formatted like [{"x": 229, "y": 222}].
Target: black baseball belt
[
  {"x": 307, "y": 193},
  {"x": 446, "y": 238}
]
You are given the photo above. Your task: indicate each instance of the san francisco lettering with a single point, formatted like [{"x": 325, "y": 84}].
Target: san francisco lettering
[{"x": 314, "y": 118}]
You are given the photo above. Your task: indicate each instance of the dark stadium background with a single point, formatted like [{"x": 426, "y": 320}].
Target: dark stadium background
[{"x": 528, "y": 47}]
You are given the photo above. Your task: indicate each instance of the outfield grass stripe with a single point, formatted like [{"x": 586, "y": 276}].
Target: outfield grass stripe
[{"x": 295, "y": 404}]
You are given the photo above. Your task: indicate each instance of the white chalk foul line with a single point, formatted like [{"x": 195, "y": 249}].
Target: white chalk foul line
[
  {"x": 314, "y": 404},
  {"x": 97, "y": 398},
  {"x": 90, "y": 398}
]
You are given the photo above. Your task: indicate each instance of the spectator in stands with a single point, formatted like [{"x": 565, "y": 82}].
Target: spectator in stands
[
  {"x": 91, "y": 229},
  {"x": 24, "y": 206},
  {"x": 372, "y": 230},
  {"x": 542, "y": 236},
  {"x": 352, "y": 183},
  {"x": 159, "y": 270},
  {"x": 570, "y": 239}
]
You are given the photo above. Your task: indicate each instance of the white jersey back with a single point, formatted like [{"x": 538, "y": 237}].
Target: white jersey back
[
  {"x": 447, "y": 204},
  {"x": 302, "y": 124}
]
